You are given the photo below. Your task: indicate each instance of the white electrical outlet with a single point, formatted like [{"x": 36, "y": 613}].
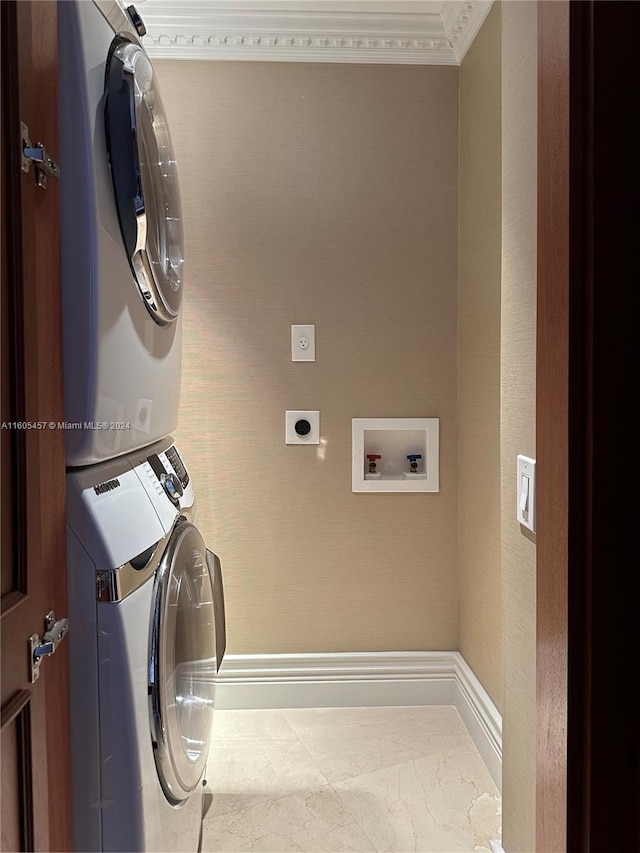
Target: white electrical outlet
[
  {"x": 303, "y": 343},
  {"x": 302, "y": 428}
]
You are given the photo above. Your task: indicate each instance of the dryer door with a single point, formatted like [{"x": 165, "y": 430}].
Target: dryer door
[
  {"x": 186, "y": 647},
  {"x": 145, "y": 179}
]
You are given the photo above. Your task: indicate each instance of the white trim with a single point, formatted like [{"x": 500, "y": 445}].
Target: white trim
[
  {"x": 369, "y": 679},
  {"x": 480, "y": 716},
  {"x": 420, "y": 32},
  {"x": 462, "y": 20}
]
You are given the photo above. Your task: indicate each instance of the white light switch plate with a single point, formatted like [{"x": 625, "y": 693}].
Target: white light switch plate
[
  {"x": 303, "y": 343},
  {"x": 526, "y": 492}
]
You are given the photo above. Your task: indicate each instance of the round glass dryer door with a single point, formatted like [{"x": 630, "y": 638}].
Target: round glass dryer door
[
  {"x": 145, "y": 179},
  {"x": 182, "y": 663}
]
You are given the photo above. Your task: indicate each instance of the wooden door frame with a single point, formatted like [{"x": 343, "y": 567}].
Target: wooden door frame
[
  {"x": 36, "y": 457},
  {"x": 588, "y": 786}
]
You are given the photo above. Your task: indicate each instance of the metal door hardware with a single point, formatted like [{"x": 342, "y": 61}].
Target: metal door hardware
[
  {"x": 55, "y": 630},
  {"x": 37, "y": 154}
]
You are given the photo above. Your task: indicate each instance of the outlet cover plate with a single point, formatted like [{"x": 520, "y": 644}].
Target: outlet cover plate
[
  {"x": 290, "y": 434},
  {"x": 303, "y": 343}
]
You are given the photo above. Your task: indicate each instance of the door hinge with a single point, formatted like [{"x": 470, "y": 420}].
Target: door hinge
[
  {"x": 55, "y": 630},
  {"x": 37, "y": 154}
]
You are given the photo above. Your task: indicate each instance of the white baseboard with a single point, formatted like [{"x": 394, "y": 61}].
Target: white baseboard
[
  {"x": 365, "y": 679},
  {"x": 481, "y": 717}
]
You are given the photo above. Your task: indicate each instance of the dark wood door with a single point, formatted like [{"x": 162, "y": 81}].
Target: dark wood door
[
  {"x": 35, "y": 765},
  {"x": 588, "y": 792}
]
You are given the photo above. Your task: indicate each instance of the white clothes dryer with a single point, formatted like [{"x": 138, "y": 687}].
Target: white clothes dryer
[
  {"x": 147, "y": 636},
  {"x": 122, "y": 242}
]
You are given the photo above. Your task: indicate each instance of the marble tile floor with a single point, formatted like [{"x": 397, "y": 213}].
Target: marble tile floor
[{"x": 348, "y": 779}]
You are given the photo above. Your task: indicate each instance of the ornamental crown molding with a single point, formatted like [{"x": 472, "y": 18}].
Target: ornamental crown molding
[{"x": 420, "y": 32}]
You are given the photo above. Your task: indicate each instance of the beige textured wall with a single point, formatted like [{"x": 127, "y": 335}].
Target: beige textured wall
[
  {"x": 321, "y": 194},
  {"x": 518, "y": 352},
  {"x": 480, "y": 240}
]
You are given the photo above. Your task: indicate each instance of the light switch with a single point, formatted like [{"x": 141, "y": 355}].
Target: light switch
[{"x": 526, "y": 492}]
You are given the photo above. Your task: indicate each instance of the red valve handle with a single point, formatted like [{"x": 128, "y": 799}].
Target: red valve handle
[{"x": 373, "y": 456}]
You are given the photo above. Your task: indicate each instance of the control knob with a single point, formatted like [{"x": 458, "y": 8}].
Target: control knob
[{"x": 172, "y": 487}]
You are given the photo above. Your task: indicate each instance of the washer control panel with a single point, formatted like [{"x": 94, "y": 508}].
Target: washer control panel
[
  {"x": 169, "y": 467},
  {"x": 167, "y": 482},
  {"x": 178, "y": 465}
]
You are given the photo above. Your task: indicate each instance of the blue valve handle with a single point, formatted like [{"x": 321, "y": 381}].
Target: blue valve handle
[{"x": 413, "y": 456}]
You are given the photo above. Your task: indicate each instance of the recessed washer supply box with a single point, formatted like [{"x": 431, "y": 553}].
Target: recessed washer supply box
[{"x": 395, "y": 439}]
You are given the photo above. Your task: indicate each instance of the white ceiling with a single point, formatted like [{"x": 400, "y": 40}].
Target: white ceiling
[{"x": 421, "y": 32}]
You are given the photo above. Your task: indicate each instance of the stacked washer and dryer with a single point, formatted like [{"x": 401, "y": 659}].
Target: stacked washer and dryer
[{"x": 146, "y": 605}]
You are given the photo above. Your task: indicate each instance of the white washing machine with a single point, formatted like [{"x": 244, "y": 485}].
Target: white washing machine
[
  {"x": 122, "y": 242},
  {"x": 147, "y": 636}
]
